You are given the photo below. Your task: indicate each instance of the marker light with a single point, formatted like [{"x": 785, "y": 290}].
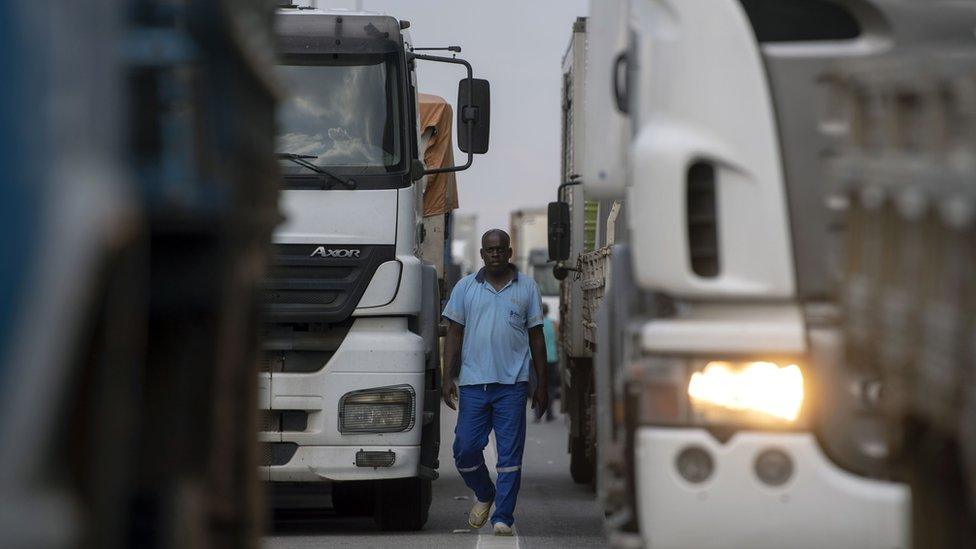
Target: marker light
[{"x": 760, "y": 387}]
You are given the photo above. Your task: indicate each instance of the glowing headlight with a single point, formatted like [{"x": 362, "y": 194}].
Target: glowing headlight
[{"x": 753, "y": 387}]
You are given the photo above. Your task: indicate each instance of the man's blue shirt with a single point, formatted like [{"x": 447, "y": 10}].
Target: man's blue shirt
[{"x": 496, "y": 327}]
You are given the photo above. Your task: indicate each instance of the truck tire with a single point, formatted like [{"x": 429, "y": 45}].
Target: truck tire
[
  {"x": 402, "y": 504},
  {"x": 354, "y": 498}
]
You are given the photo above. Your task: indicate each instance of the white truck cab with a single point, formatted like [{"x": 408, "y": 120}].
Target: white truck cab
[
  {"x": 350, "y": 381},
  {"x": 719, "y": 333}
]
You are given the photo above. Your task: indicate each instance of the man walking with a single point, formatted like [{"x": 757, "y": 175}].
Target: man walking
[{"x": 494, "y": 337}]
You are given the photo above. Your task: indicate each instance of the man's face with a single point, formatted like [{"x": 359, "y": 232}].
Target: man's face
[{"x": 495, "y": 251}]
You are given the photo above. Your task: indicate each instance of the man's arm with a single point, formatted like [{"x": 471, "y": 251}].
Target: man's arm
[
  {"x": 452, "y": 362},
  {"x": 537, "y": 346}
]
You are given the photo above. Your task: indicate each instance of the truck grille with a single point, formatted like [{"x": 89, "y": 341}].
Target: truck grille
[
  {"x": 284, "y": 421},
  {"x": 269, "y": 422},
  {"x": 291, "y": 349},
  {"x": 302, "y": 297},
  {"x": 274, "y": 454},
  {"x": 307, "y": 288}
]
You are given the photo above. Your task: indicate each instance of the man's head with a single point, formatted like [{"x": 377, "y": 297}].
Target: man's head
[
  {"x": 545, "y": 309},
  {"x": 496, "y": 250}
]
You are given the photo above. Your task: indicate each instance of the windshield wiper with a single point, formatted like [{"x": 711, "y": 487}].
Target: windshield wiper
[{"x": 302, "y": 160}]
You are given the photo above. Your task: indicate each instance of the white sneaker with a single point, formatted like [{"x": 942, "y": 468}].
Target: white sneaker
[
  {"x": 502, "y": 529},
  {"x": 478, "y": 515}
]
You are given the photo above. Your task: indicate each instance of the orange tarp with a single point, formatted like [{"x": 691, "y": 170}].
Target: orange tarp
[{"x": 440, "y": 195}]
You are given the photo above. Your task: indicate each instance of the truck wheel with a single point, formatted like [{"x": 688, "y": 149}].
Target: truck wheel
[
  {"x": 580, "y": 466},
  {"x": 402, "y": 504},
  {"x": 354, "y": 498}
]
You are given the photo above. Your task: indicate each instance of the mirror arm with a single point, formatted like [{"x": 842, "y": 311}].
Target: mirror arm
[
  {"x": 470, "y": 125},
  {"x": 441, "y": 59},
  {"x": 560, "y": 271},
  {"x": 466, "y": 165},
  {"x": 573, "y": 180}
]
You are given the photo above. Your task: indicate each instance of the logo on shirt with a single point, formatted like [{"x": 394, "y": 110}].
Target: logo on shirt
[
  {"x": 516, "y": 318},
  {"x": 334, "y": 252}
]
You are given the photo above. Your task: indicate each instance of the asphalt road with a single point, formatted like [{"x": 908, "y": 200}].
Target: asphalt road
[{"x": 552, "y": 511}]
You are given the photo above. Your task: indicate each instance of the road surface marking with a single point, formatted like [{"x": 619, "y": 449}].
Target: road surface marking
[
  {"x": 491, "y": 541},
  {"x": 488, "y": 540}
]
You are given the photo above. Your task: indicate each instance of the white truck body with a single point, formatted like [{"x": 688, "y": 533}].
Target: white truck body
[
  {"x": 701, "y": 89},
  {"x": 375, "y": 352},
  {"x": 530, "y": 240},
  {"x": 349, "y": 387},
  {"x": 527, "y": 228}
]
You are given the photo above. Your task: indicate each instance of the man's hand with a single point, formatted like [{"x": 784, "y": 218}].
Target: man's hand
[
  {"x": 540, "y": 399},
  {"x": 537, "y": 346},
  {"x": 450, "y": 393}
]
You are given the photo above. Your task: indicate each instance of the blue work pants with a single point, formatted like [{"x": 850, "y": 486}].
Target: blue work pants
[{"x": 482, "y": 408}]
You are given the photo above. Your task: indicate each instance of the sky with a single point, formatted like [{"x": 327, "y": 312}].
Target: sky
[{"x": 518, "y": 45}]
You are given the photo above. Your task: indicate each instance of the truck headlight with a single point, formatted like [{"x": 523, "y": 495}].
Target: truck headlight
[
  {"x": 379, "y": 410},
  {"x": 722, "y": 393},
  {"x": 766, "y": 390}
]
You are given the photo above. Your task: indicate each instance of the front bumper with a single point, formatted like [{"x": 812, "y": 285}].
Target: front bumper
[
  {"x": 327, "y": 463},
  {"x": 376, "y": 352},
  {"x": 820, "y": 506}
]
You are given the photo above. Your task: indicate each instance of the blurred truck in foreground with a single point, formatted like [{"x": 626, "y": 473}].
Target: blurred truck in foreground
[
  {"x": 138, "y": 199},
  {"x": 350, "y": 387},
  {"x": 722, "y": 417},
  {"x": 902, "y": 176}
]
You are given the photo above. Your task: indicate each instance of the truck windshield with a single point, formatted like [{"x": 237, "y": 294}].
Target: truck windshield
[{"x": 344, "y": 115}]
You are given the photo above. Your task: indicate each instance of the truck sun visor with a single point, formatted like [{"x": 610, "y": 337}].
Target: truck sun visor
[{"x": 326, "y": 34}]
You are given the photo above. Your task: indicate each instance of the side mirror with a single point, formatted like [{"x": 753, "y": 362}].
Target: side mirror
[
  {"x": 558, "y": 231},
  {"x": 473, "y": 115}
]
